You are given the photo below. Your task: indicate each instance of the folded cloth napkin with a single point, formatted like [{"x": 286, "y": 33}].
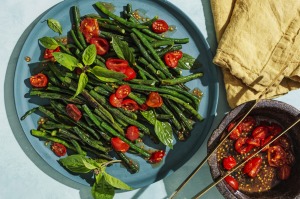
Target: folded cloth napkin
[{"x": 257, "y": 41}]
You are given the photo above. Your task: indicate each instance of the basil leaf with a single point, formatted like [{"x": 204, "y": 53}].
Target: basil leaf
[
  {"x": 115, "y": 182},
  {"x": 164, "y": 132},
  {"x": 122, "y": 49},
  {"x": 99, "y": 71},
  {"x": 49, "y": 42},
  {"x": 54, "y": 25},
  {"x": 78, "y": 163},
  {"x": 89, "y": 55},
  {"x": 83, "y": 80},
  {"x": 101, "y": 189},
  {"x": 150, "y": 116},
  {"x": 66, "y": 60}
]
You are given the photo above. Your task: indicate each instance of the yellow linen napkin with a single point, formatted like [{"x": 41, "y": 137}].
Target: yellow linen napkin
[{"x": 256, "y": 41}]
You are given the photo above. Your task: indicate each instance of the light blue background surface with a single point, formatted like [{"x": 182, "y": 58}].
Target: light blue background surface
[{"x": 24, "y": 174}]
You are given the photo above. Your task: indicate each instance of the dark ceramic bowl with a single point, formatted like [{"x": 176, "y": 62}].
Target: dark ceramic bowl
[{"x": 278, "y": 112}]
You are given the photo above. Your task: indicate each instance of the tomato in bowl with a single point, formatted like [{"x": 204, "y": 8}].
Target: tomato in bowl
[{"x": 273, "y": 173}]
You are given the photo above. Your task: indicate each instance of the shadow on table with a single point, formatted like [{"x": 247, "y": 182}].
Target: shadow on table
[{"x": 15, "y": 122}]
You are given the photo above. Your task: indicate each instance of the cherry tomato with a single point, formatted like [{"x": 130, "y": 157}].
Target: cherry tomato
[
  {"x": 232, "y": 182},
  {"x": 130, "y": 73},
  {"x": 59, "y": 149},
  {"x": 39, "y": 80},
  {"x": 130, "y": 105},
  {"x": 73, "y": 112},
  {"x": 90, "y": 28},
  {"x": 144, "y": 107},
  {"x": 284, "y": 142},
  {"x": 102, "y": 45},
  {"x": 157, "y": 156},
  {"x": 114, "y": 101},
  {"x": 154, "y": 100},
  {"x": 265, "y": 142},
  {"x": 48, "y": 52},
  {"x": 284, "y": 172},
  {"x": 276, "y": 156},
  {"x": 177, "y": 53},
  {"x": 248, "y": 123},
  {"x": 171, "y": 60},
  {"x": 260, "y": 132},
  {"x": 119, "y": 145},
  {"x": 253, "y": 141},
  {"x": 241, "y": 146},
  {"x": 119, "y": 65},
  {"x": 123, "y": 91},
  {"x": 229, "y": 162},
  {"x": 274, "y": 129},
  {"x": 236, "y": 133},
  {"x": 252, "y": 167},
  {"x": 132, "y": 133},
  {"x": 160, "y": 26}
]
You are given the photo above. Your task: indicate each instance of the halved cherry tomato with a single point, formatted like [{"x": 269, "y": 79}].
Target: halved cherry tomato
[
  {"x": 177, "y": 53},
  {"x": 253, "y": 141},
  {"x": 73, "y": 112},
  {"x": 132, "y": 133},
  {"x": 157, "y": 156},
  {"x": 130, "y": 105},
  {"x": 232, "y": 182},
  {"x": 90, "y": 28},
  {"x": 59, "y": 149},
  {"x": 247, "y": 124},
  {"x": 102, "y": 45},
  {"x": 118, "y": 65},
  {"x": 276, "y": 156},
  {"x": 114, "y": 101},
  {"x": 284, "y": 172},
  {"x": 252, "y": 167},
  {"x": 119, "y": 145},
  {"x": 171, "y": 60},
  {"x": 39, "y": 80},
  {"x": 260, "y": 132},
  {"x": 154, "y": 100},
  {"x": 274, "y": 129},
  {"x": 130, "y": 73},
  {"x": 236, "y": 133},
  {"x": 229, "y": 162},
  {"x": 266, "y": 141},
  {"x": 160, "y": 26},
  {"x": 48, "y": 52},
  {"x": 123, "y": 91},
  {"x": 241, "y": 146}
]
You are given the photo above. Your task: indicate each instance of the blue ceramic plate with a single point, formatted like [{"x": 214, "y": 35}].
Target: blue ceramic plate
[{"x": 197, "y": 47}]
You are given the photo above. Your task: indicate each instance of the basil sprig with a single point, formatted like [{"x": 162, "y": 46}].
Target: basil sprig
[{"x": 54, "y": 25}]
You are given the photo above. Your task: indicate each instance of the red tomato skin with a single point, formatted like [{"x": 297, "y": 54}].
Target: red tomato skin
[
  {"x": 48, "y": 52},
  {"x": 160, "y": 26},
  {"x": 229, "y": 162},
  {"x": 132, "y": 133},
  {"x": 130, "y": 73},
  {"x": 170, "y": 60},
  {"x": 276, "y": 156},
  {"x": 232, "y": 182},
  {"x": 236, "y": 133},
  {"x": 73, "y": 112},
  {"x": 119, "y": 145},
  {"x": 123, "y": 91},
  {"x": 274, "y": 129},
  {"x": 114, "y": 101},
  {"x": 260, "y": 132},
  {"x": 157, "y": 156},
  {"x": 241, "y": 146},
  {"x": 177, "y": 53},
  {"x": 252, "y": 167},
  {"x": 59, "y": 149},
  {"x": 130, "y": 105},
  {"x": 253, "y": 141},
  {"x": 118, "y": 65},
  {"x": 154, "y": 100},
  {"x": 248, "y": 124},
  {"x": 90, "y": 28},
  {"x": 39, "y": 80},
  {"x": 102, "y": 45}
]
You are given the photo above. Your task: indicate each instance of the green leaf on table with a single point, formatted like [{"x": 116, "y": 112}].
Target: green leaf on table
[
  {"x": 115, "y": 182},
  {"x": 150, "y": 116},
  {"x": 54, "y": 25},
  {"x": 49, "y": 42},
  {"x": 82, "y": 82},
  {"x": 102, "y": 189},
  {"x": 79, "y": 163},
  {"x": 89, "y": 55},
  {"x": 122, "y": 49},
  {"x": 164, "y": 132},
  {"x": 99, "y": 71},
  {"x": 66, "y": 60}
]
